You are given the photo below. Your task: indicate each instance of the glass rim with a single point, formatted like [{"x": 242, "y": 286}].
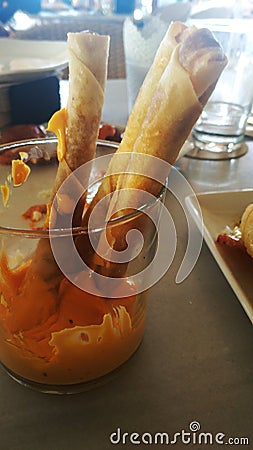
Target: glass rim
[
  {"x": 74, "y": 231},
  {"x": 50, "y": 140}
]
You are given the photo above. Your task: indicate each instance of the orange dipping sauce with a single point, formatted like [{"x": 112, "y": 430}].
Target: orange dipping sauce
[{"x": 65, "y": 335}]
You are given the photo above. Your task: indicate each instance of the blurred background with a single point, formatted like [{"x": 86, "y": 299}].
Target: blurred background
[
  {"x": 53, "y": 19},
  {"x": 50, "y": 20}
]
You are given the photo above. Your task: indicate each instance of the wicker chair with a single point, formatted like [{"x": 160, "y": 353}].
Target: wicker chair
[{"x": 57, "y": 29}]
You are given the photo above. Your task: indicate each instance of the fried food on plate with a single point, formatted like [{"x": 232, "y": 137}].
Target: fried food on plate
[{"x": 246, "y": 227}]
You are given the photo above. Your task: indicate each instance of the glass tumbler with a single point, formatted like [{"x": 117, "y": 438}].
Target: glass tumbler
[
  {"x": 61, "y": 332},
  {"x": 219, "y": 132}
]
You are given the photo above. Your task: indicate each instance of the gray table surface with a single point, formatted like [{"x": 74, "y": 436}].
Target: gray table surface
[{"x": 195, "y": 362}]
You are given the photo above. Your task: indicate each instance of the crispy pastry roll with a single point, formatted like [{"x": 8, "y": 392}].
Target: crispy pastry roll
[
  {"x": 176, "y": 33},
  {"x": 181, "y": 93},
  {"x": 77, "y": 130},
  {"x": 77, "y": 126}
]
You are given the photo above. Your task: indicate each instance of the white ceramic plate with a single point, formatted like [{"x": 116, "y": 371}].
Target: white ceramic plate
[
  {"x": 23, "y": 60},
  {"x": 221, "y": 209}
]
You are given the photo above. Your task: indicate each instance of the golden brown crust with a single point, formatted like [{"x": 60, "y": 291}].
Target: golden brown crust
[
  {"x": 88, "y": 58},
  {"x": 200, "y": 53},
  {"x": 88, "y": 54},
  {"x": 174, "y": 107},
  {"x": 177, "y": 32},
  {"x": 246, "y": 227}
]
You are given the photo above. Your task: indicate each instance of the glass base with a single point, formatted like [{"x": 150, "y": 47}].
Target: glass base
[
  {"x": 216, "y": 152},
  {"x": 63, "y": 389}
]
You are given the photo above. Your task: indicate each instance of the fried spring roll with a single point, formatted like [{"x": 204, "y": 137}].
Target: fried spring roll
[
  {"x": 186, "y": 84},
  {"x": 183, "y": 90},
  {"x": 77, "y": 130},
  {"x": 77, "y": 127},
  {"x": 176, "y": 33}
]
